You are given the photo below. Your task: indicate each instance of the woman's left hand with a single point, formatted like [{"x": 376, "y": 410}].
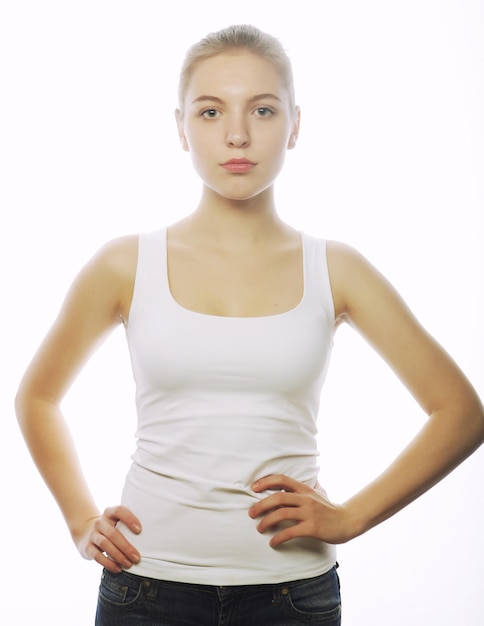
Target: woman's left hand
[{"x": 310, "y": 510}]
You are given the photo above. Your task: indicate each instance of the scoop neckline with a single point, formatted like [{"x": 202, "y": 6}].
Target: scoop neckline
[{"x": 237, "y": 317}]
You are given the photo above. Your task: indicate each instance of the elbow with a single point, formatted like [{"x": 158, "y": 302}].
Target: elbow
[
  {"x": 26, "y": 404},
  {"x": 33, "y": 407},
  {"x": 21, "y": 403},
  {"x": 480, "y": 417},
  {"x": 465, "y": 423},
  {"x": 474, "y": 424}
]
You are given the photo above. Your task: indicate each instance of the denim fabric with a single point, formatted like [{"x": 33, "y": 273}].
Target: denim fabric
[{"x": 129, "y": 600}]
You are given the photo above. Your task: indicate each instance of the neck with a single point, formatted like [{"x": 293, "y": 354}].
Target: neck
[{"x": 236, "y": 223}]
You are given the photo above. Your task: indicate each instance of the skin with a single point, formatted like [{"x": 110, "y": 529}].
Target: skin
[{"x": 233, "y": 256}]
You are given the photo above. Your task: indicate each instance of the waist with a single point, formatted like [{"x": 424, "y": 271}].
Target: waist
[{"x": 205, "y": 535}]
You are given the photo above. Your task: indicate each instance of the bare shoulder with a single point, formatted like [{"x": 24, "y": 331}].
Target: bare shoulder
[
  {"x": 103, "y": 288},
  {"x": 118, "y": 256},
  {"x": 365, "y": 299},
  {"x": 114, "y": 269},
  {"x": 352, "y": 276},
  {"x": 342, "y": 257},
  {"x": 96, "y": 302},
  {"x": 368, "y": 301}
]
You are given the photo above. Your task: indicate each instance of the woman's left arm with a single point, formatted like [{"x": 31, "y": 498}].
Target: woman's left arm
[{"x": 454, "y": 429}]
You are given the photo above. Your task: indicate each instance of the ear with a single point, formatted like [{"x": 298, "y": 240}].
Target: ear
[
  {"x": 295, "y": 131},
  {"x": 181, "y": 130}
]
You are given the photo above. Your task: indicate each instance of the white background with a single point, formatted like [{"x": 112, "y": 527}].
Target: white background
[{"x": 390, "y": 160}]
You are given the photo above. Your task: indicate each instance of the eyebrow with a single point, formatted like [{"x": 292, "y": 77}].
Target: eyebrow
[{"x": 257, "y": 98}]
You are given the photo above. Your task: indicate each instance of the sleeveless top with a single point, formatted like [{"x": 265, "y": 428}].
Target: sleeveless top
[{"x": 222, "y": 401}]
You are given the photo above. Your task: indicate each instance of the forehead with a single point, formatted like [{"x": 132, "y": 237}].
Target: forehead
[{"x": 234, "y": 72}]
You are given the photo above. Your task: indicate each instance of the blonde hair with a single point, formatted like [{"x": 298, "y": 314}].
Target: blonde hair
[{"x": 238, "y": 37}]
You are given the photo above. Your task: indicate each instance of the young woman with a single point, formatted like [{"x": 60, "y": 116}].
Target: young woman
[{"x": 230, "y": 315}]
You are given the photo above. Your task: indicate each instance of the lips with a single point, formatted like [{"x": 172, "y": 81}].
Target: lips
[{"x": 238, "y": 166}]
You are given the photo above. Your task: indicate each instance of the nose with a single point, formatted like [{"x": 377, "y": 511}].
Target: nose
[{"x": 238, "y": 133}]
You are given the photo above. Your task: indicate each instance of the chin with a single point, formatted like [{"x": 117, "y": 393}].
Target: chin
[{"x": 241, "y": 195}]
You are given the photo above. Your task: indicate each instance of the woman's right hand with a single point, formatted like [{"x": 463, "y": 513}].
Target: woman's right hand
[{"x": 101, "y": 540}]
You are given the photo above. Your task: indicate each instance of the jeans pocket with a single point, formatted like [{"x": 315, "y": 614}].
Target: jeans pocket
[
  {"x": 119, "y": 589},
  {"x": 315, "y": 600}
]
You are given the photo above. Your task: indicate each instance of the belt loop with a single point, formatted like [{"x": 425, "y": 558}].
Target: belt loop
[
  {"x": 276, "y": 595},
  {"x": 151, "y": 588}
]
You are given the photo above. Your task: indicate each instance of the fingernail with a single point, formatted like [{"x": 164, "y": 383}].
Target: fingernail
[
  {"x": 136, "y": 528},
  {"x": 255, "y": 485},
  {"x": 134, "y": 557}
]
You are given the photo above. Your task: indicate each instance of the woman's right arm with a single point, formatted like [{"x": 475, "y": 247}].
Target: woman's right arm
[{"x": 97, "y": 302}]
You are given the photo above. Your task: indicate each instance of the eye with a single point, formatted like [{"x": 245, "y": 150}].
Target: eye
[
  {"x": 210, "y": 114},
  {"x": 264, "y": 112}
]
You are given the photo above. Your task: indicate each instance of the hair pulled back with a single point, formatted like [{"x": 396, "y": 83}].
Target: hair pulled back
[{"x": 242, "y": 37}]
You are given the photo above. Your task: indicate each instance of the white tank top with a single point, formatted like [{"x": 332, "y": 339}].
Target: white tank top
[{"x": 222, "y": 401}]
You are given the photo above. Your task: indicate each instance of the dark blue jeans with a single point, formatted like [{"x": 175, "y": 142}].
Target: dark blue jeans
[{"x": 129, "y": 600}]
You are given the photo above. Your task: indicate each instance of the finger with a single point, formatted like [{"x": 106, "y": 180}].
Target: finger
[
  {"x": 274, "y": 501},
  {"x": 292, "y": 532},
  {"x": 104, "y": 560},
  {"x": 279, "y": 482},
  {"x": 94, "y": 552},
  {"x": 102, "y": 545},
  {"x": 122, "y": 514},
  {"x": 112, "y": 541},
  {"x": 294, "y": 514}
]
